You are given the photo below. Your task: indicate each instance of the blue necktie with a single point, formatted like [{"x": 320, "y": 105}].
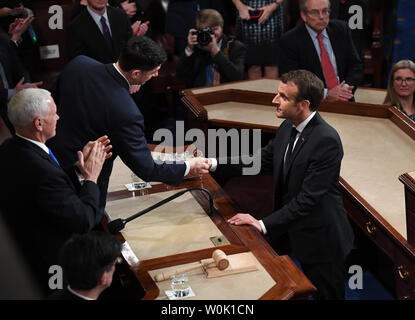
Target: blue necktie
[
  {"x": 209, "y": 75},
  {"x": 53, "y": 157},
  {"x": 106, "y": 31}
]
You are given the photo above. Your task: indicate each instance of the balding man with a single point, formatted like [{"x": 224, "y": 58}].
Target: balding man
[
  {"x": 43, "y": 204},
  {"x": 324, "y": 47}
]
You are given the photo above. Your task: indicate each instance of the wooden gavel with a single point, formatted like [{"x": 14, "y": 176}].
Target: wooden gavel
[{"x": 219, "y": 260}]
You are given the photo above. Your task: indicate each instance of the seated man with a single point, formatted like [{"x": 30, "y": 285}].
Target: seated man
[
  {"x": 323, "y": 47},
  {"x": 43, "y": 204},
  {"x": 221, "y": 59},
  {"x": 88, "y": 262}
]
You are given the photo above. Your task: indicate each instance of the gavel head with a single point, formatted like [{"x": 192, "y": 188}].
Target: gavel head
[{"x": 220, "y": 259}]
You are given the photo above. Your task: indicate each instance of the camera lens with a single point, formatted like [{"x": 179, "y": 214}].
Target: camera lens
[{"x": 204, "y": 36}]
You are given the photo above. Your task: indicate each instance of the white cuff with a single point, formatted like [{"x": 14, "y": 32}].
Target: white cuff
[
  {"x": 264, "y": 230},
  {"x": 214, "y": 164},
  {"x": 188, "y": 53},
  {"x": 186, "y": 172}
]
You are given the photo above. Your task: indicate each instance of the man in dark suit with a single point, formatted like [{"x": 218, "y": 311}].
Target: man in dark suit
[
  {"x": 222, "y": 56},
  {"x": 100, "y": 32},
  {"x": 88, "y": 263},
  {"x": 56, "y": 204},
  {"x": 93, "y": 97},
  {"x": 323, "y": 47},
  {"x": 305, "y": 157},
  {"x": 13, "y": 76}
]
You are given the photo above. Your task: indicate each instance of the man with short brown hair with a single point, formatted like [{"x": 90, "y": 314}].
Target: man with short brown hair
[
  {"x": 305, "y": 157},
  {"x": 217, "y": 59}
]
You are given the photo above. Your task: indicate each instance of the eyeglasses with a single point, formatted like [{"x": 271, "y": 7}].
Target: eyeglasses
[
  {"x": 400, "y": 80},
  {"x": 316, "y": 13}
]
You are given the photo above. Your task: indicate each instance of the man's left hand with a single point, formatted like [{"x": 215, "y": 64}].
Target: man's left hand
[
  {"x": 245, "y": 218},
  {"x": 18, "y": 26},
  {"x": 140, "y": 29},
  {"x": 212, "y": 47}
]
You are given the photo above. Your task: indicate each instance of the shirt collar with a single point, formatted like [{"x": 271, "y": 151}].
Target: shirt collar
[
  {"x": 118, "y": 70},
  {"x": 303, "y": 124},
  {"x": 97, "y": 17},
  {"x": 77, "y": 294},
  {"x": 39, "y": 144},
  {"x": 313, "y": 34}
]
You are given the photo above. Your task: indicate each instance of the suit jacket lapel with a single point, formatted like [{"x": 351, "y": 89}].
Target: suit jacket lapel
[
  {"x": 302, "y": 140},
  {"x": 114, "y": 31},
  {"x": 27, "y": 144},
  {"x": 281, "y": 147},
  {"x": 98, "y": 37},
  {"x": 338, "y": 52},
  {"x": 310, "y": 49}
]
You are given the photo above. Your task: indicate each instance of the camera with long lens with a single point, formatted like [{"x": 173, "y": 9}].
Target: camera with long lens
[{"x": 204, "y": 36}]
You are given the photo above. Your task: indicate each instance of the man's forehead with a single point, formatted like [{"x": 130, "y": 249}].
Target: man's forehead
[
  {"x": 290, "y": 89},
  {"x": 317, "y": 4}
]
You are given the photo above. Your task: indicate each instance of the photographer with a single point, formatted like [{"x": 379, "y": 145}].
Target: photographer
[{"x": 210, "y": 56}]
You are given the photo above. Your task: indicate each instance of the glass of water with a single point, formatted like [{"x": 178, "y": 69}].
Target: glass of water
[{"x": 180, "y": 285}]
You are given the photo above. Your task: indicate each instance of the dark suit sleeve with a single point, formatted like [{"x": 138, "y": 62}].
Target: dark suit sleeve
[
  {"x": 64, "y": 207},
  {"x": 354, "y": 73},
  {"x": 322, "y": 174},
  {"x": 231, "y": 68},
  {"x": 74, "y": 44},
  {"x": 13, "y": 69},
  {"x": 185, "y": 69},
  {"x": 130, "y": 143},
  {"x": 288, "y": 55}
]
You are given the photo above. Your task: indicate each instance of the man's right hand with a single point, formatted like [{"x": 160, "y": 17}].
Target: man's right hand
[
  {"x": 191, "y": 39},
  {"x": 20, "y": 85},
  {"x": 18, "y": 26},
  {"x": 199, "y": 166},
  {"x": 129, "y": 8},
  {"x": 341, "y": 92},
  {"x": 97, "y": 152}
]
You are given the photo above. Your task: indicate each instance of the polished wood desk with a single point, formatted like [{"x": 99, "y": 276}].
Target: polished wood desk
[
  {"x": 378, "y": 144},
  {"x": 162, "y": 241}
]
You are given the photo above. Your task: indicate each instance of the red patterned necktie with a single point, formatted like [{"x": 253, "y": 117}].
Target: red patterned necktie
[{"x": 328, "y": 70}]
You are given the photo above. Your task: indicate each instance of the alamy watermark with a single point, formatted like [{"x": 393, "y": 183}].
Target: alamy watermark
[
  {"x": 224, "y": 145},
  {"x": 356, "y": 279}
]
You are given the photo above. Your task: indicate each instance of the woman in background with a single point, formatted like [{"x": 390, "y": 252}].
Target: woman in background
[
  {"x": 260, "y": 35},
  {"x": 401, "y": 87}
]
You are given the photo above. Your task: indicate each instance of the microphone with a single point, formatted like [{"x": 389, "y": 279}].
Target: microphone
[{"x": 117, "y": 225}]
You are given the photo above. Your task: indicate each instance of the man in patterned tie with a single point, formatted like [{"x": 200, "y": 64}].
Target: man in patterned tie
[
  {"x": 42, "y": 203},
  {"x": 100, "y": 32},
  {"x": 325, "y": 48}
]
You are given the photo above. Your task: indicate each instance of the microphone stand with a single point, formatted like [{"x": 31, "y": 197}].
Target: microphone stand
[{"x": 118, "y": 224}]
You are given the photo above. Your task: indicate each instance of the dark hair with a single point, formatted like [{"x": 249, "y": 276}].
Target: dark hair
[
  {"x": 310, "y": 87},
  {"x": 84, "y": 258},
  {"x": 141, "y": 53}
]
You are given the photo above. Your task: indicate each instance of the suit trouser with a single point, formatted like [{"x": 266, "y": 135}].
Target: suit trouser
[{"x": 328, "y": 278}]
